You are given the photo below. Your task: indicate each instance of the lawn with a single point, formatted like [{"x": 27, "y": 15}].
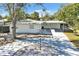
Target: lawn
[{"x": 73, "y": 38}]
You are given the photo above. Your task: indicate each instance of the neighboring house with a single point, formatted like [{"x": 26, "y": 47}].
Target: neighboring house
[
  {"x": 1, "y": 22},
  {"x": 4, "y": 28}
]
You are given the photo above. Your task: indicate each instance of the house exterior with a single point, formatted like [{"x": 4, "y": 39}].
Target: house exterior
[
  {"x": 4, "y": 28},
  {"x": 1, "y": 22},
  {"x": 42, "y": 24},
  {"x": 53, "y": 24},
  {"x": 36, "y": 26},
  {"x": 29, "y": 25}
]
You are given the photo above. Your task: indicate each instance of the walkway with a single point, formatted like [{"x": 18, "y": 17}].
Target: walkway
[{"x": 66, "y": 45}]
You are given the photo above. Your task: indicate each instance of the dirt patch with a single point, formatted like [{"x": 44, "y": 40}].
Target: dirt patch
[
  {"x": 76, "y": 43},
  {"x": 3, "y": 41},
  {"x": 33, "y": 36},
  {"x": 73, "y": 38}
]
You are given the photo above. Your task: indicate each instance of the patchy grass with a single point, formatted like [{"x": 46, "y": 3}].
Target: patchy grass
[{"x": 73, "y": 38}]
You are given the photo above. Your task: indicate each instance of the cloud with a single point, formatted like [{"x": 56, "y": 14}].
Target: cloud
[{"x": 43, "y": 13}]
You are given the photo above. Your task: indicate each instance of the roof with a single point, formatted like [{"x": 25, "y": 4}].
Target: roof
[
  {"x": 55, "y": 22},
  {"x": 39, "y": 22},
  {"x": 33, "y": 22},
  {"x": 49, "y": 21}
]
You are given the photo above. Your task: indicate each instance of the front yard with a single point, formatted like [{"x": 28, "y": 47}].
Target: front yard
[{"x": 73, "y": 38}]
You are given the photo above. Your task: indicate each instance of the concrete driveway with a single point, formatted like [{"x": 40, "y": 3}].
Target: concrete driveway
[
  {"x": 64, "y": 44},
  {"x": 59, "y": 45}
]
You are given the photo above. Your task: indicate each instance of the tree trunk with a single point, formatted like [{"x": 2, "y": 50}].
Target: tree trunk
[
  {"x": 13, "y": 29},
  {"x": 13, "y": 24}
]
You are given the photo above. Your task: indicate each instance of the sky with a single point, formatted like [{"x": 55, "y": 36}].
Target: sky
[{"x": 50, "y": 7}]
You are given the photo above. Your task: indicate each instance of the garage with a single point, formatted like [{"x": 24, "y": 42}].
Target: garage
[{"x": 53, "y": 24}]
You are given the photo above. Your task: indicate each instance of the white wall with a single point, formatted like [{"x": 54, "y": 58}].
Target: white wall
[
  {"x": 22, "y": 26},
  {"x": 28, "y": 26},
  {"x": 1, "y": 22},
  {"x": 37, "y": 26},
  {"x": 51, "y": 25}
]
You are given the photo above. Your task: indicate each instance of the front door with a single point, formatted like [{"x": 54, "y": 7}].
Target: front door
[{"x": 62, "y": 27}]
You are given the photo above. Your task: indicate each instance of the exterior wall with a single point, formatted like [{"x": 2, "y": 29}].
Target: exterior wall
[
  {"x": 29, "y": 26},
  {"x": 52, "y": 25},
  {"x": 1, "y": 23},
  {"x": 22, "y": 26},
  {"x": 38, "y": 26}
]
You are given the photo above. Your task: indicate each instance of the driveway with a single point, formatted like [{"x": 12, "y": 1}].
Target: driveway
[
  {"x": 64, "y": 43},
  {"x": 59, "y": 45}
]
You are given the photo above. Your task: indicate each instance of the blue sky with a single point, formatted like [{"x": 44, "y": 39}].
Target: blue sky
[
  {"x": 51, "y": 8},
  {"x": 48, "y": 6}
]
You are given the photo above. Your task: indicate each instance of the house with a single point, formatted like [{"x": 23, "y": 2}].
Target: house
[
  {"x": 54, "y": 24},
  {"x": 4, "y": 28},
  {"x": 1, "y": 22},
  {"x": 36, "y": 26},
  {"x": 42, "y": 24}
]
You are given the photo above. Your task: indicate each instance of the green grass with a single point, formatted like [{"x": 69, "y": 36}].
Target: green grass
[{"x": 73, "y": 38}]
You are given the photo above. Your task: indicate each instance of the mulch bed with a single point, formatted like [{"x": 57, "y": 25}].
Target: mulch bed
[
  {"x": 3, "y": 41},
  {"x": 33, "y": 36}
]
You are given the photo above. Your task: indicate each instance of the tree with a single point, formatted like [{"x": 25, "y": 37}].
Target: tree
[
  {"x": 46, "y": 17},
  {"x": 52, "y": 17},
  {"x": 27, "y": 16},
  {"x": 1, "y": 17},
  {"x": 8, "y": 18},
  {"x": 20, "y": 14},
  {"x": 12, "y": 8},
  {"x": 35, "y": 15},
  {"x": 69, "y": 14}
]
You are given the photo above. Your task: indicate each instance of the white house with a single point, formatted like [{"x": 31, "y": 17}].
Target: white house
[
  {"x": 36, "y": 26},
  {"x": 41, "y": 24},
  {"x": 53, "y": 24},
  {"x": 1, "y": 22}
]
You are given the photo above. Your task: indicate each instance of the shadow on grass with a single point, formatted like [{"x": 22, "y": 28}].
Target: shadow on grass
[{"x": 76, "y": 43}]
